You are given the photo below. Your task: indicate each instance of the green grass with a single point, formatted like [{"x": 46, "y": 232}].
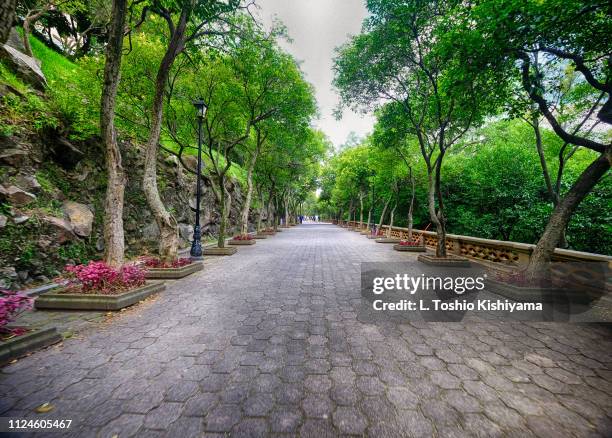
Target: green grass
[{"x": 55, "y": 66}]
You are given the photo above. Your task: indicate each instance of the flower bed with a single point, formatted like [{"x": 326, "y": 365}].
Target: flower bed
[
  {"x": 179, "y": 268},
  {"x": 409, "y": 246},
  {"x": 11, "y": 305},
  {"x": 450, "y": 261},
  {"x": 242, "y": 239},
  {"x": 216, "y": 251},
  {"x": 154, "y": 262},
  {"x": 98, "y": 286},
  {"x": 19, "y": 341}
]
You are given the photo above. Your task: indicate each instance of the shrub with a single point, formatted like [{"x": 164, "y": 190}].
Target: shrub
[
  {"x": 12, "y": 304},
  {"x": 153, "y": 262},
  {"x": 410, "y": 243},
  {"x": 101, "y": 278},
  {"x": 243, "y": 237}
]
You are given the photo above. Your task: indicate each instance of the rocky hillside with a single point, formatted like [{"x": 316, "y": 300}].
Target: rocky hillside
[
  {"x": 52, "y": 194},
  {"x": 52, "y": 189}
]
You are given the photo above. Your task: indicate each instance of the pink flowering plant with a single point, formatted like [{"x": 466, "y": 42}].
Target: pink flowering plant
[
  {"x": 410, "y": 243},
  {"x": 243, "y": 237},
  {"x": 100, "y": 278},
  {"x": 12, "y": 304},
  {"x": 154, "y": 262}
]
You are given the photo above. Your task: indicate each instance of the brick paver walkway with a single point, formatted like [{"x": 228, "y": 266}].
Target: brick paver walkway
[{"x": 267, "y": 342}]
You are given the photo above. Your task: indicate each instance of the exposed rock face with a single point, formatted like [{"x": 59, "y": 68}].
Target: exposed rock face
[
  {"x": 13, "y": 157},
  {"x": 17, "y": 196},
  {"x": 24, "y": 66},
  {"x": 61, "y": 229},
  {"x": 65, "y": 153},
  {"x": 80, "y": 217},
  {"x": 3, "y": 220},
  {"x": 28, "y": 182},
  {"x": 186, "y": 232},
  {"x": 15, "y": 41}
]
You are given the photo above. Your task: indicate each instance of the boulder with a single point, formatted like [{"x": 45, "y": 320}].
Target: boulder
[
  {"x": 20, "y": 219},
  {"x": 17, "y": 196},
  {"x": 24, "y": 66},
  {"x": 65, "y": 153},
  {"x": 3, "y": 220},
  {"x": 14, "y": 157},
  {"x": 186, "y": 232},
  {"x": 61, "y": 228},
  {"x": 80, "y": 217},
  {"x": 7, "y": 276},
  {"x": 151, "y": 231},
  {"x": 15, "y": 40},
  {"x": 28, "y": 182}
]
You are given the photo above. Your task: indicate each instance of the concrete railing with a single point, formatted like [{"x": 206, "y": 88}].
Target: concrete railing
[{"x": 511, "y": 254}]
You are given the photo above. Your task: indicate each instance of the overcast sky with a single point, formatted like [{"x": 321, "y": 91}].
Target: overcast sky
[{"x": 317, "y": 27}]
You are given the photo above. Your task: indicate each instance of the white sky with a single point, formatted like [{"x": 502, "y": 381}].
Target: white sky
[{"x": 317, "y": 27}]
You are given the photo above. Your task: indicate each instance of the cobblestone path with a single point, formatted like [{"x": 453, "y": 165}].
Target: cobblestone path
[{"x": 267, "y": 342}]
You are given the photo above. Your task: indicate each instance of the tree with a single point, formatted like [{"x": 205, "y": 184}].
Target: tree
[
  {"x": 187, "y": 21},
  {"x": 395, "y": 59},
  {"x": 113, "y": 205},
  {"x": 7, "y": 17},
  {"x": 501, "y": 38}
]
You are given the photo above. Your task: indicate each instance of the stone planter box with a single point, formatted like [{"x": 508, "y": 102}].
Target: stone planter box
[
  {"x": 387, "y": 240},
  {"x": 365, "y": 233},
  {"x": 216, "y": 251},
  {"x": 58, "y": 300},
  {"x": 409, "y": 248},
  {"x": 260, "y": 236},
  {"x": 522, "y": 293},
  {"x": 450, "y": 261},
  {"x": 242, "y": 242},
  {"x": 373, "y": 237},
  {"x": 27, "y": 343},
  {"x": 173, "y": 273}
]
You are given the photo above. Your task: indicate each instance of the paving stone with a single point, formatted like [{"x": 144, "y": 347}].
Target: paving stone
[
  {"x": 258, "y": 405},
  {"x": 349, "y": 420},
  {"x": 285, "y": 421},
  {"x": 223, "y": 418},
  {"x": 162, "y": 416},
  {"x": 269, "y": 342}
]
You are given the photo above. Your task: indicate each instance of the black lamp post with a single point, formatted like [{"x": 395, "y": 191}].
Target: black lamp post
[{"x": 196, "y": 244}]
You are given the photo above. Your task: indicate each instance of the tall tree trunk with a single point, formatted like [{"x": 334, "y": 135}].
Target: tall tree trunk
[
  {"x": 441, "y": 220},
  {"x": 391, "y": 220},
  {"x": 224, "y": 211},
  {"x": 411, "y": 205},
  {"x": 561, "y": 215},
  {"x": 7, "y": 17},
  {"x": 369, "y": 218},
  {"x": 360, "y": 210},
  {"x": 286, "y": 203},
  {"x": 260, "y": 210},
  {"x": 244, "y": 217},
  {"x": 431, "y": 206},
  {"x": 168, "y": 227},
  {"x": 554, "y": 197},
  {"x": 382, "y": 216},
  {"x": 114, "y": 240}
]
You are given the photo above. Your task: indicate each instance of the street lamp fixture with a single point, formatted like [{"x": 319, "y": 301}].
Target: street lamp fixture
[{"x": 196, "y": 244}]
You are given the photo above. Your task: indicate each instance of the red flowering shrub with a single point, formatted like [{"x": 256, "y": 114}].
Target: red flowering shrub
[
  {"x": 243, "y": 237},
  {"x": 153, "y": 262},
  {"x": 98, "y": 277},
  {"x": 12, "y": 304},
  {"x": 409, "y": 243}
]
